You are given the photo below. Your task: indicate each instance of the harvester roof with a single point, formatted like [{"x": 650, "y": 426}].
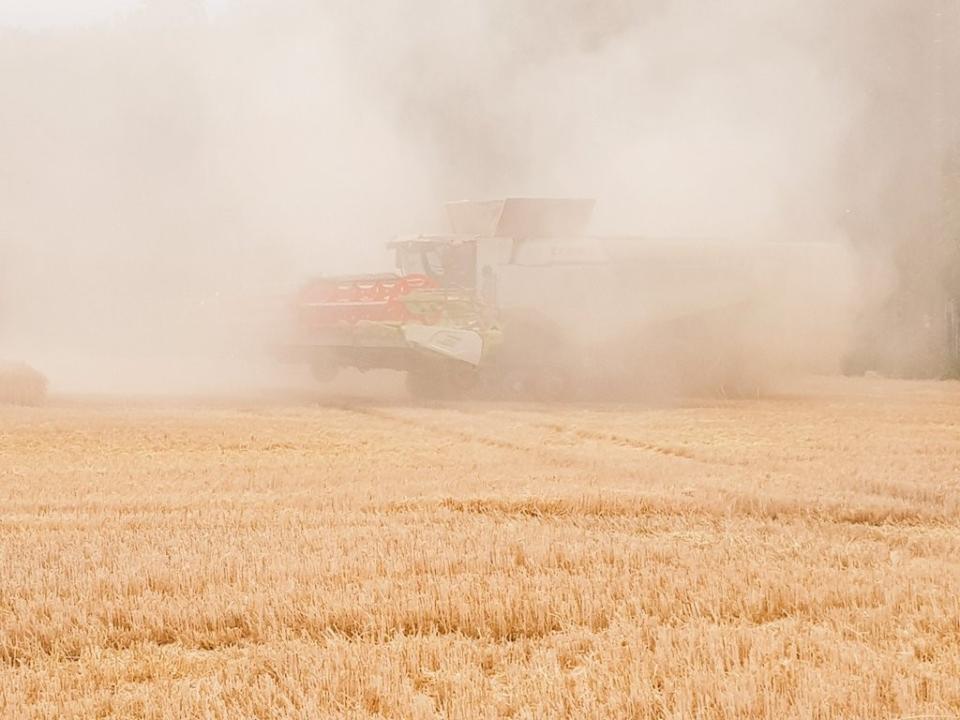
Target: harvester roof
[
  {"x": 521, "y": 217},
  {"x": 407, "y": 240}
]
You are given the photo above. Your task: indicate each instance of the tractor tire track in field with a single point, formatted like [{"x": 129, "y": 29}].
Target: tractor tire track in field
[
  {"x": 689, "y": 501},
  {"x": 624, "y": 441},
  {"x": 552, "y": 456},
  {"x": 635, "y": 443},
  {"x": 464, "y": 436}
]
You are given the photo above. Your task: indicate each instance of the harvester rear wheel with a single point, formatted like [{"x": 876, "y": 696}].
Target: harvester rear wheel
[
  {"x": 515, "y": 384},
  {"x": 542, "y": 383},
  {"x": 550, "y": 384}
]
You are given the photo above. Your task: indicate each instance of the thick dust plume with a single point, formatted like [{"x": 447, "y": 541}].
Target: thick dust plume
[{"x": 170, "y": 177}]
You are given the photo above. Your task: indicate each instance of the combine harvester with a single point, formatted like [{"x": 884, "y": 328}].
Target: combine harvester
[{"x": 518, "y": 301}]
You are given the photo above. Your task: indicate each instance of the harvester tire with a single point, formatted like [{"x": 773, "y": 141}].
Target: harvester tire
[
  {"x": 540, "y": 383},
  {"x": 550, "y": 384},
  {"x": 323, "y": 372},
  {"x": 515, "y": 384},
  {"x": 421, "y": 385},
  {"x": 442, "y": 381}
]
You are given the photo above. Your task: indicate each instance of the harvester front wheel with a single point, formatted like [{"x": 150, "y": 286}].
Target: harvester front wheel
[
  {"x": 442, "y": 381},
  {"x": 324, "y": 370}
]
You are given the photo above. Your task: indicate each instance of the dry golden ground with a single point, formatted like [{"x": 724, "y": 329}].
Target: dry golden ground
[{"x": 795, "y": 556}]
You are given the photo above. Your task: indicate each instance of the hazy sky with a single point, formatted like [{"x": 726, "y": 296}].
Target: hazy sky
[{"x": 47, "y": 13}]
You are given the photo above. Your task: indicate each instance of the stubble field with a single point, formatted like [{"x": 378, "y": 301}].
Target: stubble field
[{"x": 791, "y": 556}]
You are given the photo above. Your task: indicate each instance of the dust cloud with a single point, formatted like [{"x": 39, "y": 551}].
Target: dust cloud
[{"x": 168, "y": 178}]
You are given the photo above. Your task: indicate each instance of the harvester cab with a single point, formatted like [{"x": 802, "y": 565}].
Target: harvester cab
[
  {"x": 448, "y": 261},
  {"x": 488, "y": 234}
]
